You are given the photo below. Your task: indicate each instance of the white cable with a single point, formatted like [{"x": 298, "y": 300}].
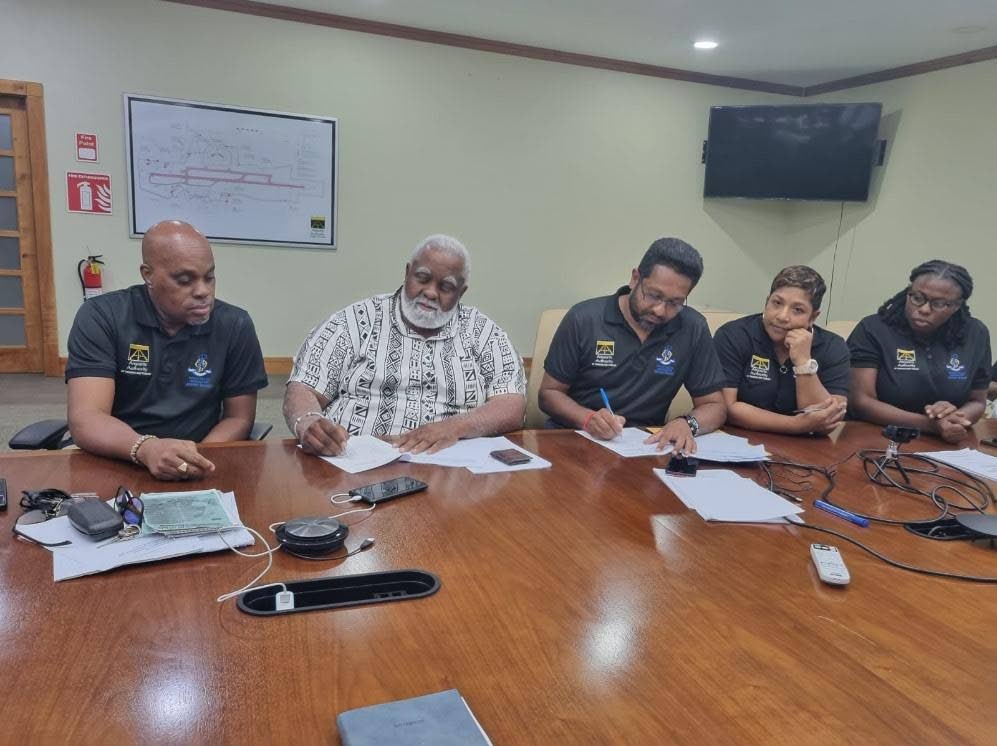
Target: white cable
[
  {"x": 249, "y": 586},
  {"x": 352, "y": 498},
  {"x": 269, "y": 555}
]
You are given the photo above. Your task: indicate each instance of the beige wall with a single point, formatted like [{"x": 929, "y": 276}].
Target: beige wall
[{"x": 556, "y": 177}]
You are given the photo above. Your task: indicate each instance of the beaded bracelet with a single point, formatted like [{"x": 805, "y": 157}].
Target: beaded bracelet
[{"x": 138, "y": 444}]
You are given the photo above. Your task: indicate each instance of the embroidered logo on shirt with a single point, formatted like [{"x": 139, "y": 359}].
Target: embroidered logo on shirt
[
  {"x": 906, "y": 360},
  {"x": 199, "y": 374},
  {"x": 759, "y": 370},
  {"x": 138, "y": 360},
  {"x": 605, "y": 351},
  {"x": 665, "y": 363},
  {"x": 957, "y": 371}
]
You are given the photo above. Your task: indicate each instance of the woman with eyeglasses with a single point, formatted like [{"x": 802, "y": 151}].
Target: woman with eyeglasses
[
  {"x": 782, "y": 373},
  {"x": 922, "y": 360}
]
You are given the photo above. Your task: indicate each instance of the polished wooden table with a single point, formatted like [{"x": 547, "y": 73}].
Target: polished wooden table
[{"x": 567, "y": 614}]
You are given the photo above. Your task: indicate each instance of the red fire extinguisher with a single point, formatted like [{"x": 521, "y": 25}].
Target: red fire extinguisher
[{"x": 90, "y": 272}]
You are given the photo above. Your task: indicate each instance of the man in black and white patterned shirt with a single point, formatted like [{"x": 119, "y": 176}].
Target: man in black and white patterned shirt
[{"x": 415, "y": 367}]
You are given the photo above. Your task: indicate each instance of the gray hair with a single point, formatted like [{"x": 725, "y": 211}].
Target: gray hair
[{"x": 448, "y": 245}]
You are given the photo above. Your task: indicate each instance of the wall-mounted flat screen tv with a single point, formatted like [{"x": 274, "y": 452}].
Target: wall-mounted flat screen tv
[{"x": 809, "y": 152}]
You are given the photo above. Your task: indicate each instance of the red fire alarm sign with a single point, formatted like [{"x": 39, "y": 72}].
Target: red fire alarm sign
[{"x": 86, "y": 147}]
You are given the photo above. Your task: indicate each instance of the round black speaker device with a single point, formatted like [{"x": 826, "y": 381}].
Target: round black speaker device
[{"x": 313, "y": 535}]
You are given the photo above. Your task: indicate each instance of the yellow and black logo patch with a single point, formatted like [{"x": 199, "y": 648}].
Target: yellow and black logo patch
[{"x": 138, "y": 353}]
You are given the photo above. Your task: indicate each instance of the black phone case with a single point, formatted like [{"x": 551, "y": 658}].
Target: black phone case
[{"x": 96, "y": 519}]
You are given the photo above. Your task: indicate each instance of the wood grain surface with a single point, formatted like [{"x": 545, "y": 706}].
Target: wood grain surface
[{"x": 579, "y": 604}]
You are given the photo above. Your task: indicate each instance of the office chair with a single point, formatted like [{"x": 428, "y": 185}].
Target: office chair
[
  {"x": 549, "y": 321},
  {"x": 51, "y": 435}
]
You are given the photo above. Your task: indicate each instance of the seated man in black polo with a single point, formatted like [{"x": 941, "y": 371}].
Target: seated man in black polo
[
  {"x": 158, "y": 367},
  {"x": 639, "y": 345}
]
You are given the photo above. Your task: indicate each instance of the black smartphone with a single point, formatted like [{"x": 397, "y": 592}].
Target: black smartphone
[
  {"x": 511, "y": 457},
  {"x": 992, "y": 442},
  {"x": 376, "y": 493}
]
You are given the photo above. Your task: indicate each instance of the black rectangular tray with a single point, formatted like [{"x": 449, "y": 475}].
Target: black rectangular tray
[{"x": 342, "y": 591}]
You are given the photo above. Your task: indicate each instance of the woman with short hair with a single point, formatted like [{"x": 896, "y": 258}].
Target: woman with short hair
[
  {"x": 783, "y": 374},
  {"x": 922, "y": 360}
]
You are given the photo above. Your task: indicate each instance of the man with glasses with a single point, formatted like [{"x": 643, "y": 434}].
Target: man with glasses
[
  {"x": 638, "y": 346},
  {"x": 922, "y": 360}
]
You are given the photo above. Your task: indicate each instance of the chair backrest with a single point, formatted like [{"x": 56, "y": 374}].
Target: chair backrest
[
  {"x": 549, "y": 321},
  {"x": 682, "y": 403},
  {"x": 841, "y": 328}
]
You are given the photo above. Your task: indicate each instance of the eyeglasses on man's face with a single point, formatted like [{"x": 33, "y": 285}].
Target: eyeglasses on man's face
[
  {"x": 937, "y": 304},
  {"x": 654, "y": 298}
]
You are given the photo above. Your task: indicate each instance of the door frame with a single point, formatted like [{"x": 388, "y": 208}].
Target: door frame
[{"x": 34, "y": 106}]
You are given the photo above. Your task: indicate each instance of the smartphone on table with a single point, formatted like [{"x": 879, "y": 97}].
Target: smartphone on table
[
  {"x": 389, "y": 490},
  {"x": 511, "y": 457}
]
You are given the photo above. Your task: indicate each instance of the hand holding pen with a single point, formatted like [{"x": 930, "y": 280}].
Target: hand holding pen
[{"x": 603, "y": 423}]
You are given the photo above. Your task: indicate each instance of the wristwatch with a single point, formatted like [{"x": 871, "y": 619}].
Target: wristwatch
[
  {"x": 693, "y": 424},
  {"x": 808, "y": 368}
]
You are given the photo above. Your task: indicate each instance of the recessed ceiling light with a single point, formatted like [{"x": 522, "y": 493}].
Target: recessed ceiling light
[
  {"x": 705, "y": 44},
  {"x": 968, "y": 29}
]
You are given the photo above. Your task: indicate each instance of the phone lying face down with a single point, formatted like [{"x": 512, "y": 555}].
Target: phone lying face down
[
  {"x": 381, "y": 491},
  {"x": 511, "y": 456}
]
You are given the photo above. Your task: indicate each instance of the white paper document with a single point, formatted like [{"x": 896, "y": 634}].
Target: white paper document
[
  {"x": 474, "y": 455},
  {"x": 717, "y": 446},
  {"x": 724, "y": 495},
  {"x": 84, "y": 556},
  {"x": 363, "y": 452},
  {"x": 975, "y": 462}
]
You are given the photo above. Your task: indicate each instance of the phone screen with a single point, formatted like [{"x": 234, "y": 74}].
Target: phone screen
[{"x": 375, "y": 493}]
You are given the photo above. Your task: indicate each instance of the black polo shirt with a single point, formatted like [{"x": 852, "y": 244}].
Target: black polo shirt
[
  {"x": 594, "y": 347},
  {"x": 166, "y": 386},
  {"x": 751, "y": 365},
  {"x": 912, "y": 373}
]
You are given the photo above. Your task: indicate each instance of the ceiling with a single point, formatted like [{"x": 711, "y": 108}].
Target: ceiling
[{"x": 793, "y": 42}]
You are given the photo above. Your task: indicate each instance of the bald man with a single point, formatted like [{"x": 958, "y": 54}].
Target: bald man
[{"x": 159, "y": 367}]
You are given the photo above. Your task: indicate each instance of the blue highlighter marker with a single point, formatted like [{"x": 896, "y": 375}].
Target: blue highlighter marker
[{"x": 844, "y": 514}]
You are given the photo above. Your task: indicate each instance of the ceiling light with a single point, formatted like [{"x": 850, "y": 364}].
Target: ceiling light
[{"x": 705, "y": 44}]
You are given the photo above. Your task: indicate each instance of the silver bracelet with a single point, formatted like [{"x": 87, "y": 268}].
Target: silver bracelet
[{"x": 294, "y": 427}]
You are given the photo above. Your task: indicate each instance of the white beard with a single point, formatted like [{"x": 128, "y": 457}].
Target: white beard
[{"x": 423, "y": 319}]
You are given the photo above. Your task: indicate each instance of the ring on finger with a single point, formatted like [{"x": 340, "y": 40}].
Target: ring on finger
[{"x": 183, "y": 467}]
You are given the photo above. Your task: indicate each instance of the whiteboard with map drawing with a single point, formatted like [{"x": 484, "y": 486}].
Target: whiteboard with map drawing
[{"x": 237, "y": 175}]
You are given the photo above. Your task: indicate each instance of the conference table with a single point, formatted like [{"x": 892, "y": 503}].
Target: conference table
[{"x": 578, "y": 604}]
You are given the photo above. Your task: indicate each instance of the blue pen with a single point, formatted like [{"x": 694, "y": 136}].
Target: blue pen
[
  {"x": 835, "y": 510},
  {"x": 605, "y": 400}
]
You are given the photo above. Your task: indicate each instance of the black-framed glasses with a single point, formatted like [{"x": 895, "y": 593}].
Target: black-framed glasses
[
  {"x": 130, "y": 506},
  {"x": 937, "y": 304},
  {"x": 656, "y": 299}
]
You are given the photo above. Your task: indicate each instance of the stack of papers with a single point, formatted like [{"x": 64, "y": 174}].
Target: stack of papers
[
  {"x": 717, "y": 446},
  {"x": 975, "y": 462},
  {"x": 184, "y": 513},
  {"x": 474, "y": 455},
  {"x": 723, "y": 495},
  {"x": 84, "y": 556}
]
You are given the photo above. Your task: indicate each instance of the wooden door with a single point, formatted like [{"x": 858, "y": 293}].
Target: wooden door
[{"x": 27, "y": 304}]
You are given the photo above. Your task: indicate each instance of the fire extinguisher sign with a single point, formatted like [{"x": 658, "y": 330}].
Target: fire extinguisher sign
[{"x": 88, "y": 193}]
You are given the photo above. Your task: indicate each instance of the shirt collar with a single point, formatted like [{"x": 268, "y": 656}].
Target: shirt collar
[{"x": 446, "y": 331}]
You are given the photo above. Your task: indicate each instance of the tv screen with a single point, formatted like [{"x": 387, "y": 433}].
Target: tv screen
[{"x": 819, "y": 151}]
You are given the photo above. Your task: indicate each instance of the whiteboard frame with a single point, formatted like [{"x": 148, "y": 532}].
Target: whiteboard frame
[{"x": 127, "y": 98}]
